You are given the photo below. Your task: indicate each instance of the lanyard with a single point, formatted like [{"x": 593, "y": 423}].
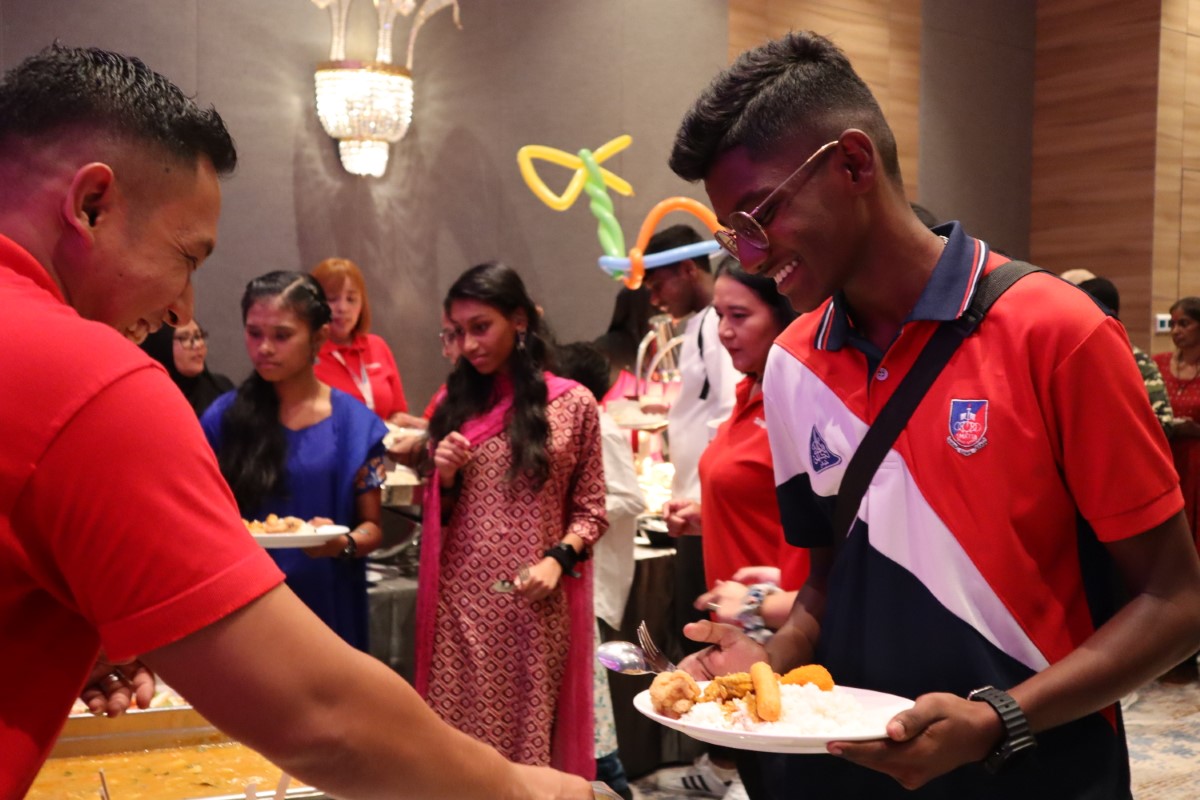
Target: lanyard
[
  {"x": 362, "y": 381},
  {"x": 700, "y": 347}
]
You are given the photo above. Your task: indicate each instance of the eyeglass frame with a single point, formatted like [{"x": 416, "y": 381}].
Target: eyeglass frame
[
  {"x": 751, "y": 227},
  {"x": 192, "y": 342}
]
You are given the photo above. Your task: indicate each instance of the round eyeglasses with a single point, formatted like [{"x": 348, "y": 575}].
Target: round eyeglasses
[
  {"x": 192, "y": 341},
  {"x": 743, "y": 225}
]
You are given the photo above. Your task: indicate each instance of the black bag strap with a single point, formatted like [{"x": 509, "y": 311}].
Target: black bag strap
[{"x": 900, "y": 406}]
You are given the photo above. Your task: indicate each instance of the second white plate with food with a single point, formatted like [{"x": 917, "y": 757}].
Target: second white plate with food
[
  {"x": 851, "y": 715},
  {"x": 307, "y": 536}
]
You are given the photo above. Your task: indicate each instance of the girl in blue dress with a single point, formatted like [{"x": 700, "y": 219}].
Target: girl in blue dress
[{"x": 290, "y": 445}]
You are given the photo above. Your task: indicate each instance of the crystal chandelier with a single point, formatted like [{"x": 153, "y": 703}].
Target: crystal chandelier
[{"x": 367, "y": 105}]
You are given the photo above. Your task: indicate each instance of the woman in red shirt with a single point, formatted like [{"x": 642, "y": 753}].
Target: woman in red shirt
[
  {"x": 738, "y": 514},
  {"x": 353, "y": 360}
]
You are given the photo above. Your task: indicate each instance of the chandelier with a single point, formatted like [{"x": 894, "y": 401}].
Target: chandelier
[{"x": 367, "y": 105}]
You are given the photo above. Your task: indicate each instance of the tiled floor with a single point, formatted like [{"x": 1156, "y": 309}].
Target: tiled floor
[{"x": 1163, "y": 728}]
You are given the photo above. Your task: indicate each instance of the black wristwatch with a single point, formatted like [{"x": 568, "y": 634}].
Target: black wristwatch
[
  {"x": 351, "y": 548},
  {"x": 1017, "y": 739},
  {"x": 566, "y": 556}
]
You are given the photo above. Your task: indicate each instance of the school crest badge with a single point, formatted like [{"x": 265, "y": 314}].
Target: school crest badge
[
  {"x": 819, "y": 454},
  {"x": 968, "y": 426}
]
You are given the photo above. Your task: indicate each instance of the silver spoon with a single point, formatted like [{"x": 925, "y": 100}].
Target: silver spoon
[{"x": 624, "y": 657}]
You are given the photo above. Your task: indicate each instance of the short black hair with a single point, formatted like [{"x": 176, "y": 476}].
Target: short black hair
[
  {"x": 1105, "y": 291},
  {"x": 63, "y": 88},
  {"x": 678, "y": 236},
  {"x": 801, "y": 85},
  {"x": 585, "y": 364},
  {"x": 927, "y": 217}
]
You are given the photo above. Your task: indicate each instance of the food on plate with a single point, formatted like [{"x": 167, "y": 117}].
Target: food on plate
[
  {"x": 768, "y": 704},
  {"x": 727, "y": 687},
  {"x": 803, "y": 702},
  {"x": 674, "y": 693},
  {"x": 397, "y": 434},
  {"x": 402, "y": 476},
  {"x": 809, "y": 673},
  {"x": 275, "y": 524}
]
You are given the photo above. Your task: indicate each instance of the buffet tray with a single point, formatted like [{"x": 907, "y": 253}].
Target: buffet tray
[
  {"x": 269, "y": 794},
  {"x": 148, "y": 729}
]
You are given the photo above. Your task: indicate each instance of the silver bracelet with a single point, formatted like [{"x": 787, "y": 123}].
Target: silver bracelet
[{"x": 750, "y": 616}]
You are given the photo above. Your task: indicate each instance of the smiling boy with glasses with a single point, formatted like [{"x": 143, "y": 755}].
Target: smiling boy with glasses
[{"x": 965, "y": 569}]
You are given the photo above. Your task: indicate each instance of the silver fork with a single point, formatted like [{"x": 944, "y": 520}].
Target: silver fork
[{"x": 654, "y": 656}]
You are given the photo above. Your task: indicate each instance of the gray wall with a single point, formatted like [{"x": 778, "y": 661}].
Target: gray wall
[
  {"x": 977, "y": 116},
  {"x": 558, "y": 72},
  {"x": 565, "y": 73}
]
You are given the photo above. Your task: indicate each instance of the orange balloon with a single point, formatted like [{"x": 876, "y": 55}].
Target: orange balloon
[
  {"x": 637, "y": 269},
  {"x": 694, "y": 207}
]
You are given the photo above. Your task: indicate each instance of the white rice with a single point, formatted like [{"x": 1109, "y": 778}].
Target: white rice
[{"x": 807, "y": 711}]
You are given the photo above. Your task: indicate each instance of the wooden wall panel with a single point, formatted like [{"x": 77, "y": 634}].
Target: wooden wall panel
[
  {"x": 882, "y": 39},
  {"x": 1176, "y": 266},
  {"x": 1189, "y": 240},
  {"x": 1174, "y": 14},
  {"x": 1095, "y": 135},
  {"x": 903, "y": 105},
  {"x": 747, "y": 26},
  {"x": 861, "y": 29},
  {"x": 1170, "y": 134},
  {"x": 1185, "y": 91}
]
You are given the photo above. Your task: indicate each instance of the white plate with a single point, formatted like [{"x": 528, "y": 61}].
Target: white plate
[
  {"x": 652, "y": 424},
  {"x": 878, "y": 707},
  {"x": 307, "y": 536}
]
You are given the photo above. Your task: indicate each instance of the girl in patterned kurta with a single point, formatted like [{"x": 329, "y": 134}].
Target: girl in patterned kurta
[{"x": 504, "y": 629}]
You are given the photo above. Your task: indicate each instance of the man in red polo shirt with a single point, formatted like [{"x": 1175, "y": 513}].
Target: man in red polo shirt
[
  {"x": 121, "y": 548},
  {"x": 965, "y": 572}
]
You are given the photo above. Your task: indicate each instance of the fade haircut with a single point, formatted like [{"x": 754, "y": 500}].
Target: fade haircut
[
  {"x": 678, "y": 236},
  {"x": 799, "y": 85},
  {"x": 66, "y": 88}
]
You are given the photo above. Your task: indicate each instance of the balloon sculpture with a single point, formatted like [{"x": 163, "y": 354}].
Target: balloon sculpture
[{"x": 590, "y": 177}]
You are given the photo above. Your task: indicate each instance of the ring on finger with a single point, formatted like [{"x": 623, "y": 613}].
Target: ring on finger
[
  {"x": 112, "y": 680},
  {"x": 713, "y": 606}
]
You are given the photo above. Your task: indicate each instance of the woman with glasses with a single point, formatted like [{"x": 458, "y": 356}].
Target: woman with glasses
[
  {"x": 290, "y": 445},
  {"x": 514, "y": 504},
  {"x": 183, "y": 351}
]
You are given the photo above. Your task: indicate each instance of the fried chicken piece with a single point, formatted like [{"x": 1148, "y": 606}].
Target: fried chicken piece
[
  {"x": 810, "y": 673},
  {"x": 673, "y": 693},
  {"x": 727, "y": 687},
  {"x": 276, "y": 524},
  {"x": 768, "y": 702}
]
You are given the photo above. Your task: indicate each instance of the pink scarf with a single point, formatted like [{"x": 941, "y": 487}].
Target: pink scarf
[{"x": 573, "y": 747}]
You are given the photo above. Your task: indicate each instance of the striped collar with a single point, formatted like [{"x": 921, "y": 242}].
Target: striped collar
[{"x": 946, "y": 296}]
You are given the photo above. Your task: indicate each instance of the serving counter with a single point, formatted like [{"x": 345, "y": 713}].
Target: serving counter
[{"x": 154, "y": 754}]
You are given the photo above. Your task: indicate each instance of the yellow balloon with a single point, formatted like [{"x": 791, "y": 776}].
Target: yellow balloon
[{"x": 561, "y": 202}]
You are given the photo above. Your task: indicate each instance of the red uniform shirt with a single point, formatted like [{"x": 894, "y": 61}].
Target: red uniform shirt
[
  {"x": 966, "y": 566},
  {"x": 369, "y": 356},
  {"x": 117, "y": 530},
  {"x": 739, "y": 512}
]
